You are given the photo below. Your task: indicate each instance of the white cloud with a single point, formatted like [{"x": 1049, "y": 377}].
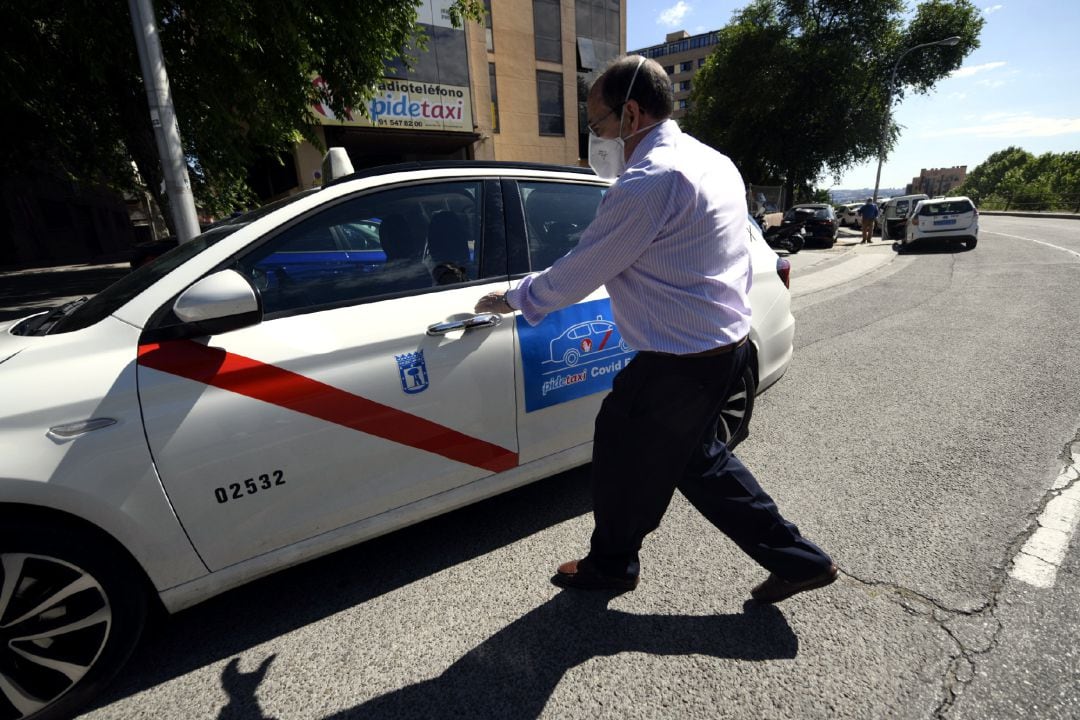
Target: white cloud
[
  {"x": 999, "y": 125},
  {"x": 992, "y": 9},
  {"x": 990, "y": 84},
  {"x": 970, "y": 70},
  {"x": 957, "y": 96},
  {"x": 674, "y": 15}
]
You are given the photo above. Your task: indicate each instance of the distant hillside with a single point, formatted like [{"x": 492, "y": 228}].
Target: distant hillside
[{"x": 839, "y": 197}]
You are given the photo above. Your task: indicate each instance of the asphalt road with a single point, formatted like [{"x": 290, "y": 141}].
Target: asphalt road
[{"x": 932, "y": 402}]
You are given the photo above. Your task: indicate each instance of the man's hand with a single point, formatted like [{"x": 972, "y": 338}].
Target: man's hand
[{"x": 493, "y": 302}]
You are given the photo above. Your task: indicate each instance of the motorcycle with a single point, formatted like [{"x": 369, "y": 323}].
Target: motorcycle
[{"x": 789, "y": 237}]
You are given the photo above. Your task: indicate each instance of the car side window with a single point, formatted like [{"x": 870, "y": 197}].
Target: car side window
[
  {"x": 385, "y": 243},
  {"x": 555, "y": 216}
]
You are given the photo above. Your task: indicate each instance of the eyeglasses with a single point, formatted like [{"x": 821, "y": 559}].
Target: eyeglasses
[{"x": 593, "y": 125}]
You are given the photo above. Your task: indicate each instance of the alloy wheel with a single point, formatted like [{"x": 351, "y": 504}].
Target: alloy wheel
[{"x": 55, "y": 621}]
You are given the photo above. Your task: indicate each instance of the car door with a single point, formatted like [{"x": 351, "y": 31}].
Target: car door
[
  {"x": 363, "y": 389},
  {"x": 567, "y": 362}
]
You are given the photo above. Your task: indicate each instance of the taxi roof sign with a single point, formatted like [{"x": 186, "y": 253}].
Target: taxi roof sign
[{"x": 336, "y": 164}]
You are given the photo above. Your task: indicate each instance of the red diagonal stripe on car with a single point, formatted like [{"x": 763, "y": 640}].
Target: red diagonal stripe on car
[{"x": 284, "y": 388}]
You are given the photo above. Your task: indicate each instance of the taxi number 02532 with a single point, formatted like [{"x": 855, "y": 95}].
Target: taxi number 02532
[{"x": 236, "y": 490}]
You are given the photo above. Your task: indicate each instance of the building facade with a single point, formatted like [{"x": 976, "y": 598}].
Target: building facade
[
  {"x": 937, "y": 181},
  {"x": 511, "y": 88},
  {"x": 681, "y": 54}
]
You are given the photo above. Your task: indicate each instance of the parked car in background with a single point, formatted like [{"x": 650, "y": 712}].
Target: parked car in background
[
  {"x": 950, "y": 219},
  {"x": 821, "y": 222},
  {"x": 894, "y": 215},
  {"x": 848, "y": 215},
  {"x": 290, "y": 382}
]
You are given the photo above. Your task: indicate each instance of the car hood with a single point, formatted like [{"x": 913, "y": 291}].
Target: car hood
[{"x": 11, "y": 345}]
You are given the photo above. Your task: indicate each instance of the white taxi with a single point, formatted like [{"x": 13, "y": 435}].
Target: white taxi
[
  {"x": 286, "y": 384},
  {"x": 940, "y": 220}
]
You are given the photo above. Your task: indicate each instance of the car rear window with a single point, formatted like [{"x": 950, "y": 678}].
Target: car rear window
[{"x": 949, "y": 207}]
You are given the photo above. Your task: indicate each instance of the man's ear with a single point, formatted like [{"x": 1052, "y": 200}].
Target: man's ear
[{"x": 633, "y": 115}]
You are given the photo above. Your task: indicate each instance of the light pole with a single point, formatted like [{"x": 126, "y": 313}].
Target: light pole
[{"x": 950, "y": 41}]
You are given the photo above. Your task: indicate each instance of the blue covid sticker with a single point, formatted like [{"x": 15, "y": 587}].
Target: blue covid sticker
[{"x": 574, "y": 352}]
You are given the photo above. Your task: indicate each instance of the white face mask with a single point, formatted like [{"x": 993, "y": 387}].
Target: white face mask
[{"x": 607, "y": 156}]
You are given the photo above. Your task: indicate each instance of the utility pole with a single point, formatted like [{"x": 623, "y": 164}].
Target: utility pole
[
  {"x": 891, "y": 89},
  {"x": 163, "y": 117}
]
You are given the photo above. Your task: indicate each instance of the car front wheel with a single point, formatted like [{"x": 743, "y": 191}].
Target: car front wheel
[
  {"x": 734, "y": 424},
  {"x": 70, "y": 615}
]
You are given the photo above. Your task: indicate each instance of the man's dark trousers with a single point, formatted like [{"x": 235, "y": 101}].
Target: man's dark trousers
[{"x": 656, "y": 431}]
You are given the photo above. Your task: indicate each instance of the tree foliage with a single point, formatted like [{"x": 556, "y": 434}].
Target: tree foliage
[
  {"x": 799, "y": 88},
  {"x": 240, "y": 73},
  {"x": 1017, "y": 179}
]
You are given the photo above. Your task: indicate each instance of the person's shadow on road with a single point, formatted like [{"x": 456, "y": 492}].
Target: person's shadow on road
[{"x": 514, "y": 673}]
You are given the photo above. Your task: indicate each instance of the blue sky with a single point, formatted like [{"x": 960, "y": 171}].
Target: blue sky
[{"x": 1018, "y": 88}]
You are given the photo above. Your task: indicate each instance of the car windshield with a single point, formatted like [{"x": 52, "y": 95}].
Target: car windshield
[
  {"x": 949, "y": 207},
  {"x": 112, "y": 298}
]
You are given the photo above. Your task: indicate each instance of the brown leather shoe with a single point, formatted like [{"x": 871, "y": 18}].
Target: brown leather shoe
[
  {"x": 583, "y": 575},
  {"x": 776, "y": 588}
]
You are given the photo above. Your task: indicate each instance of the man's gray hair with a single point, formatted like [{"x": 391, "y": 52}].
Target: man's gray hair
[{"x": 652, "y": 87}]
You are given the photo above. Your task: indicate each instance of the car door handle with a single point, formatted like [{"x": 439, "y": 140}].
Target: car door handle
[{"x": 476, "y": 321}]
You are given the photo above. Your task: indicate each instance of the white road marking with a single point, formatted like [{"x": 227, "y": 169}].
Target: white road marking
[
  {"x": 1041, "y": 242},
  {"x": 1038, "y": 561}
]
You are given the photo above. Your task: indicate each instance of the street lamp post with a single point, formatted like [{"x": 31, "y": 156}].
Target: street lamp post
[{"x": 949, "y": 41}]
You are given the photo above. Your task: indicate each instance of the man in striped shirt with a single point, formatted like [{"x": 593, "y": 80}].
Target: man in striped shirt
[{"x": 669, "y": 242}]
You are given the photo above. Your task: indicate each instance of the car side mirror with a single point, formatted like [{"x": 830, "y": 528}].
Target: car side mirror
[{"x": 219, "y": 303}]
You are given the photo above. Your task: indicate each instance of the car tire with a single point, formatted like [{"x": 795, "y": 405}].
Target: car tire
[
  {"x": 971, "y": 243},
  {"x": 570, "y": 357},
  {"x": 734, "y": 424},
  {"x": 64, "y": 587}
]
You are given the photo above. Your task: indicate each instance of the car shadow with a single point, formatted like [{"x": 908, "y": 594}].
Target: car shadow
[
  {"x": 259, "y": 611},
  {"x": 931, "y": 248}
]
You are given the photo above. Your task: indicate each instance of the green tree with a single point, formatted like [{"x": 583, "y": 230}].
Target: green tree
[
  {"x": 799, "y": 88},
  {"x": 240, "y": 73},
  {"x": 1014, "y": 178},
  {"x": 988, "y": 178}
]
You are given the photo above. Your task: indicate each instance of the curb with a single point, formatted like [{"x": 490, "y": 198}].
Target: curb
[{"x": 1053, "y": 216}]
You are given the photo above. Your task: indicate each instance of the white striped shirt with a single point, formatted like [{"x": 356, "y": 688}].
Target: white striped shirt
[{"x": 669, "y": 242}]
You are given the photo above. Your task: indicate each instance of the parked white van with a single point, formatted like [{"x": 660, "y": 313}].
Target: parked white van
[{"x": 894, "y": 214}]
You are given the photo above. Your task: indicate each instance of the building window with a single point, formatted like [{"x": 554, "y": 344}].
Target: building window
[
  {"x": 686, "y": 67},
  {"x": 547, "y": 29},
  {"x": 669, "y": 69},
  {"x": 487, "y": 26},
  {"x": 700, "y": 62},
  {"x": 494, "y": 98},
  {"x": 681, "y": 104},
  {"x": 684, "y": 85},
  {"x": 586, "y": 55},
  {"x": 549, "y": 102}
]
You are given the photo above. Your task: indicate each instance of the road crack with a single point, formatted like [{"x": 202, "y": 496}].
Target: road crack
[{"x": 976, "y": 632}]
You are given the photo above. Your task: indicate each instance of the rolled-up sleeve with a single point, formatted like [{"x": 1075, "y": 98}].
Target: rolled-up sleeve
[{"x": 626, "y": 224}]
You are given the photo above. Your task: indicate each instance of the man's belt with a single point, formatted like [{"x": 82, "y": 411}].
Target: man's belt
[{"x": 722, "y": 350}]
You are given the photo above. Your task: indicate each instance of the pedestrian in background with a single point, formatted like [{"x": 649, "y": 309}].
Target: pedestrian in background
[
  {"x": 868, "y": 213},
  {"x": 670, "y": 242}
]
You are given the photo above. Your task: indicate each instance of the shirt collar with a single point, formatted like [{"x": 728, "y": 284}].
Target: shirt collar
[{"x": 659, "y": 135}]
